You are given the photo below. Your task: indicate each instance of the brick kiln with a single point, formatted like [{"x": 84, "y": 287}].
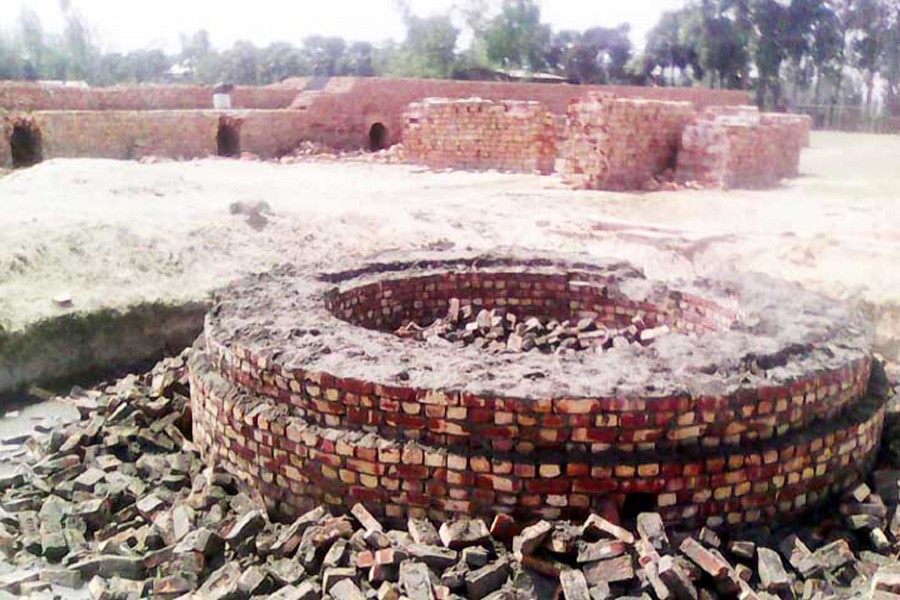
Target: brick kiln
[{"x": 736, "y": 400}]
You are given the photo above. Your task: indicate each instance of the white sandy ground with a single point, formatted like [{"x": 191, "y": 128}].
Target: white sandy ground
[{"x": 113, "y": 233}]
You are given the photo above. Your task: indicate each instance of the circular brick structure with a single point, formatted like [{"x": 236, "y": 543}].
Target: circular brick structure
[{"x": 754, "y": 406}]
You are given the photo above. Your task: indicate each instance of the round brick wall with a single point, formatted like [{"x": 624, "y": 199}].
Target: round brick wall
[{"x": 754, "y": 406}]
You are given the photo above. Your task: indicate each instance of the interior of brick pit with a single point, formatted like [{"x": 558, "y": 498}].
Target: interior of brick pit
[{"x": 445, "y": 420}]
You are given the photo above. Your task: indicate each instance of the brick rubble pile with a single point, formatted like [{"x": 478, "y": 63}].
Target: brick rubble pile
[
  {"x": 309, "y": 151},
  {"x": 480, "y": 134},
  {"x": 621, "y": 143},
  {"x": 739, "y": 147},
  {"x": 501, "y": 330},
  {"x": 120, "y": 502}
]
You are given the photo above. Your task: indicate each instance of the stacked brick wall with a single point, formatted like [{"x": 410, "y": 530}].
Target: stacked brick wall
[
  {"x": 372, "y": 95},
  {"x": 262, "y": 98},
  {"x": 136, "y": 134},
  {"x": 480, "y": 134},
  {"x": 126, "y": 134},
  {"x": 6, "y": 129},
  {"x": 515, "y": 424},
  {"x": 621, "y": 143},
  {"x": 742, "y": 148},
  {"x": 19, "y": 96},
  {"x": 805, "y": 126},
  {"x": 340, "y": 116},
  {"x": 799, "y": 126},
  {"x": 504, "y": 424},
  {"x": 296, "y": 465},
  {"x": 272, "y": 133},
  {"x": 305, "y": 435}
]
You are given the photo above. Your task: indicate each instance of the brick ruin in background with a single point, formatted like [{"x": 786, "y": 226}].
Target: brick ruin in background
[
  {"x": 617, "y": 138},
  {"x": 621, "y": 143},
  {"x": 753, "y": 407},
  {"x": 626, "y": 144},
  {"x": 344, "y": 113},
  {"x": 610, "y": 143},
  {"x": 476, "y": 133},
  {"x": 741, "y": 147}
]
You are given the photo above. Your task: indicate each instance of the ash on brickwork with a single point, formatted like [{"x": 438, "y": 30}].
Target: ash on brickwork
[{"x": 755, "y": 406}]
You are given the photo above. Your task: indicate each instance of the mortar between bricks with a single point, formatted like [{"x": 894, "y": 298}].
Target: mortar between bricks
[{"x": 302, "y": 391}]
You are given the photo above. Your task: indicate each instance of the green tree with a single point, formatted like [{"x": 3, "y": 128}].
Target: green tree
[
  {"x": 279, "y": 61},
  {"x": 385, "y": 57},
  {"x": 80, "y": 52},
  {"x": 147, "y": 66},
  {"x": 324, "y": 54},
  {"x": 670, "y": 47},
  {"x": 813, "y": 43},
  {"x": 112, "y": 68},
  {"x": 196, "y": 46},
  {"x": 827, "y": 48},
  {"x": 32, "y": 41},
  {"x": 771, "y": 22},
  {"x": 598, "y": 55},
  {"x": 743, "y": 22},
  {"x": 360, "y": 59},
  {"x": 240, "y": 64},
  {"x": 568, "y": 56},
  {"x": 721, "y": 44},
  {"x": 517, "y": 37},
  {"x": 870, "y": 21},
  {"x": 613, "y": 50},
  {"x": 890, "y": 68},
  {"x": 430, "y": 45},
  {"x": 198, "y": 55},
  {"x": 10, "y": 60}
]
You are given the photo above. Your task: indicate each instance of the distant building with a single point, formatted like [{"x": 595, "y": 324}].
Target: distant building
[{"x": 179, "y": 72}]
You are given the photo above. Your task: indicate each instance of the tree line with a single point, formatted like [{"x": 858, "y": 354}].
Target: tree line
[{"x": 844, "y": 52}]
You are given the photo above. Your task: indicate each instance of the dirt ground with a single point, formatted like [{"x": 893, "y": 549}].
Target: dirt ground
[{"x": 114, "y": 233}]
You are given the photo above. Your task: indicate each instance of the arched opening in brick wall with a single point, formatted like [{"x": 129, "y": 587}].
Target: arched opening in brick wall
[
  {"x": 378, "y": 137},
  {"x": 228, "y": 139},
  {"x": 25, "y": 144},
  {"x": 671, "y": 162},
  {"x": 635, "y": 504}
]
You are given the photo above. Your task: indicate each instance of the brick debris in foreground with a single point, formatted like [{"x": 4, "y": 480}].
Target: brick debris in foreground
[{"x": 121, "y": 502}]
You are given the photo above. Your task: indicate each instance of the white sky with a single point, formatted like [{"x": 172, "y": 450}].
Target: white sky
[{"x": 123, "y": 25}]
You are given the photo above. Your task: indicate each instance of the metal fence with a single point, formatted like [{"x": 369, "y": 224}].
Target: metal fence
[{"x": 849, "y": 118}]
